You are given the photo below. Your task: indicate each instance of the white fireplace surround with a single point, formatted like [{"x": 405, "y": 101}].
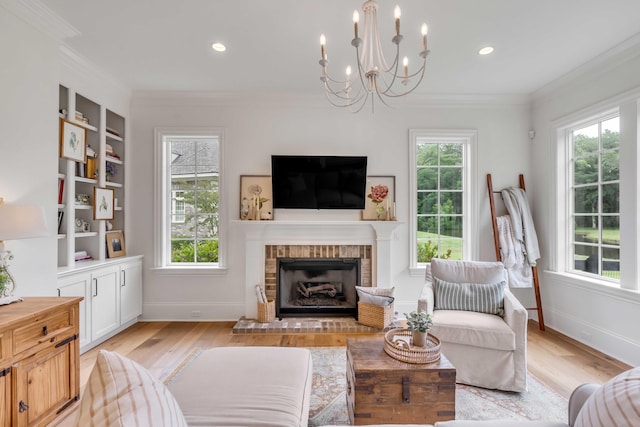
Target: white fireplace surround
[{"x": 258, "y": 234}]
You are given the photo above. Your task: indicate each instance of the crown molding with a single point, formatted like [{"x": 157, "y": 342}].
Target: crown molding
[
  {"x": 599, "y": 65},
  {"x": 206, "y": 98},
  {"x": 41, "y": 17}
]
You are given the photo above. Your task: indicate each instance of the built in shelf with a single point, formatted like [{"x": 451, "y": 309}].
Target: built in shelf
[
  {"x": 86, "y": 180},
  {"x": 83, "y": 207},
  {"x": 113, "y": 184},
  {"x": 88, "y": 234},
  {"x": 113, "y": 160}
]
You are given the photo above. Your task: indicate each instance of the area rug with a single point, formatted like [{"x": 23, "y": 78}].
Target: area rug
[{"x": 329, "y": 405}]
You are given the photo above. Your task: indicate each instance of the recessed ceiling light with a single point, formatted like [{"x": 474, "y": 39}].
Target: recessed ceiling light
[
  {"x": 485, "y": 50},
  {"x": 218, "y": 47}
]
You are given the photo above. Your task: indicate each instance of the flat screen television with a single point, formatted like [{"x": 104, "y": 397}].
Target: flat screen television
[{"x": 318, "y": 182}]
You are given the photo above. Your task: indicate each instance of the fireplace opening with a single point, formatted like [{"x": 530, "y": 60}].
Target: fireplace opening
[{"x": 317, "y": 287}]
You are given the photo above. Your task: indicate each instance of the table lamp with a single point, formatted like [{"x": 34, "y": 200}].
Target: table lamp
[{"x": 16, "y": 222}]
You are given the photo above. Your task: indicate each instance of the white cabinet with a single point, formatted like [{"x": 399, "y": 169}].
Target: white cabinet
[
  {"x": 104, "y": 301},
  {"x": 130, "y": 291},
  {"x": 78, "y": 286},
  {"x": 112, "y": 292}
]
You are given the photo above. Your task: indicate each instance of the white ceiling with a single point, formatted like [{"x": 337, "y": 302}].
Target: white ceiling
[{"x": 273, "y": 45}]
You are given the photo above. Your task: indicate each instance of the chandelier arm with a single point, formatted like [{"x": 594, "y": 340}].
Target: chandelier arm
[
  {"x": 361, "y": 72},
  {"x": 394, "y": 95},
  {"x": 348, "y": 100}
]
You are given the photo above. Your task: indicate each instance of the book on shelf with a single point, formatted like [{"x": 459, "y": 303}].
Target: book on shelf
[
  {"x": 60, "y": 216},
  {"x": 60, "y": 190}
]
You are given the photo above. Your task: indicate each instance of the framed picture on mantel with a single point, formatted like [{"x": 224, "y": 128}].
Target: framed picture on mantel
[
  {"x": 256, "y": 197},
  {"x": 380, "y": 203}
]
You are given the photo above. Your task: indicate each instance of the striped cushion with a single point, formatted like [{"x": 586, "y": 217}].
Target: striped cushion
[
  {"x": 483, "y": 298},
  {"x": 616, "y": 403},
  {"x": 120, "y": 392}
]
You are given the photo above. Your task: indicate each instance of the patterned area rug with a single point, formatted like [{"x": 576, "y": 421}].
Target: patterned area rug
[{"x": 329, "y": 405}]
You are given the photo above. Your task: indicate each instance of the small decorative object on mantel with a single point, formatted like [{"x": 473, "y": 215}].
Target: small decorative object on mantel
[
  {"x": 381, "y": 205},
  {"x": 419, "y": 323},
  {"x": 255, "y": 197}
]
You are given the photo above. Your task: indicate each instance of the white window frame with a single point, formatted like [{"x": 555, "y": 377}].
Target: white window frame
[
  {"x": 469, "y": 198},
  {"x": 570, "y": 188},
  {"x": 163, "y": 202},
  {"x": 628, "y": 107}
]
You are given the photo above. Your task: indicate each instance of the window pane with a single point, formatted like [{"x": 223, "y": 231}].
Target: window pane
[
  {"x": 586, "y": 258},
  {"x": 451, "y": 226},
  {"x": 207, "y": 251},
  {"x": 586, "y": 229},
  {"x": 611, "y": 134},
  {"x": 427, "y": 203},
  {"x": 585, "y": 141},
  {"x": 450, "y": 248},
  {"x": 611, "y": 263},
  {"x": 585, "y": 170},
  {"x": 427, "y": 225},
  {"x": 586, "y": 199},
  {"x": 427, "y": 179},
  {"x": 450, "y": 203},
  {"x": 610, "y": 166},
  {"x": 182, "y": 251},
  {"x": 450, "y": 179},
  {"x": 450, "y": 154},
  {"x": 611, "y": 230},
  {"x": 426, "y": 154},
  {"x": 610, "y": 198}
]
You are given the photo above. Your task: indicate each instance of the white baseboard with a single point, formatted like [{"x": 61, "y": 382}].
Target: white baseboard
[{"x": 192, "y": 312}]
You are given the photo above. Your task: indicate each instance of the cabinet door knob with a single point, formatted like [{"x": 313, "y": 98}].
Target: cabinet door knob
[
  {"x": 22, "y": 406},
  {"x": 45, "y": 331}
]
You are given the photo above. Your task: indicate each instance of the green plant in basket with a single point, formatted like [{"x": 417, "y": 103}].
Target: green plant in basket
[{"x": 419, "y": 321}]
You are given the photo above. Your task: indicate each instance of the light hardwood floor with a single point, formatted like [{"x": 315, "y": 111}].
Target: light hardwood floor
[{"x": 559, "y": 362}]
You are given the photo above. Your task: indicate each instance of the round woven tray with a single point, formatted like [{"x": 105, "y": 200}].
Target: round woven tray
[{"x": 396, "y": 346}]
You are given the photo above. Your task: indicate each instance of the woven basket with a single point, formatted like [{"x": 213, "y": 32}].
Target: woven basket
[
  {"x": 374, "y": 315},
  {"x": 267, "y": 311},
  {"x": 397, "y": 345}
]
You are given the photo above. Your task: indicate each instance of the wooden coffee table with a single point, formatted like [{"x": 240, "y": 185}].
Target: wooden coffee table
[{"x": 383, "y": 390}]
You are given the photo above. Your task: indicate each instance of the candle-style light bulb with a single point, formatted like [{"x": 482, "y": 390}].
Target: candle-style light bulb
[
  {"x": 356, "y": 19},
  {"x": 424, "y": 30},
  {"x": 323, "y": 42},
  {"x": 405, "y": 63},
  {"x": 396, "y": 14},
  {"x": 348, "y": 72}
]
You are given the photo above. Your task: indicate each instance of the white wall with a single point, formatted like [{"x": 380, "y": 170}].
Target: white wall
[
  {"x": 256, "y": 128},
  {"x": 29, "y": 144},
  {"x": 599, "y": 316}
]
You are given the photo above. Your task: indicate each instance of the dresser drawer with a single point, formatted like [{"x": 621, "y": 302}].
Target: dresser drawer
[{"x": 41, "y": 329}]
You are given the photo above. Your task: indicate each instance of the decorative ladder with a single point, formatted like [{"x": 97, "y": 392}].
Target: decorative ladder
[{"x": 496, "y": 241}]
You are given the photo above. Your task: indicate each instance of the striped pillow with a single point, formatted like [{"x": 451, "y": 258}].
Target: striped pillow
[
  {"x": 616, "y": 403},
  {"x": 483, "y": 298},
  {"x": 121, "y": 393}
]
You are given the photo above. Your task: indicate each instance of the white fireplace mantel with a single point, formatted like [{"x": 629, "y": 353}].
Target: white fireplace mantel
[{"x": 258, "y": 234}]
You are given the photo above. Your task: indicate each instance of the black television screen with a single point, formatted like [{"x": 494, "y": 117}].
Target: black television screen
[{"x": 318, "y": 182}]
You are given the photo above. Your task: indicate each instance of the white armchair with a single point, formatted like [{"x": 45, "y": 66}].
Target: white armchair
[{"x": 487, "y": 350}]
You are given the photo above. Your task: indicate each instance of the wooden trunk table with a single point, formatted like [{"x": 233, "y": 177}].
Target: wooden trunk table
[{"x": 383, "y": 390}]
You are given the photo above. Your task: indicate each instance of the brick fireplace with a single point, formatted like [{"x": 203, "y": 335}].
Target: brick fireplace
[{"x": 266, "y": 241}]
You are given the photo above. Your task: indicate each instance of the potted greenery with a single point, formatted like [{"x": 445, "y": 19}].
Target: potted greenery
[{"x": 419, "y": 323}]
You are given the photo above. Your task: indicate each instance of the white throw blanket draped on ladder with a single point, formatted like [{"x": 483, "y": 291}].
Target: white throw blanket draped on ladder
[{"x": 518, "y": 240}]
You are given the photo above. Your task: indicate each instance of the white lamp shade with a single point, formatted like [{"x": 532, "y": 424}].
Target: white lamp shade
[{"x": 22, "y": 222}]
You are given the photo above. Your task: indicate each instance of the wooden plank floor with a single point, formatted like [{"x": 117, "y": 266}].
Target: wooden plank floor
[{"x": 558, "y": 361}]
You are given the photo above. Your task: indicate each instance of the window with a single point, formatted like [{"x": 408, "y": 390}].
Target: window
[
  {"x": 594, "y": 184},
  {"x": 177, "y": 206},
  {"x": 441, "y": 195},
  {"x": 189, "y": 198}
]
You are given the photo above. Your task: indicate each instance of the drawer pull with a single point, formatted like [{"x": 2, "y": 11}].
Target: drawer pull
[
  {"x": 23, "y": 406},
  {"x": 67, "y": 341},
  {"x": 5, "y": 372},
  {"x": 45, "y": 331}
]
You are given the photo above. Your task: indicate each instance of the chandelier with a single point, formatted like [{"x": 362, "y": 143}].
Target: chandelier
[{"x": 375, "y": 77}]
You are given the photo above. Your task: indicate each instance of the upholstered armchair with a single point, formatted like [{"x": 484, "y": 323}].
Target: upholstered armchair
[{"x": 481, "y": 325}]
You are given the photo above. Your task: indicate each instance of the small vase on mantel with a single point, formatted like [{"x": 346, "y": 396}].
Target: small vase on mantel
[{"x": 419, "y": 339}]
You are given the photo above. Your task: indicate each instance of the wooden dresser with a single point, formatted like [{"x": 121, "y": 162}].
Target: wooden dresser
[{"x": 39, "y": 359}]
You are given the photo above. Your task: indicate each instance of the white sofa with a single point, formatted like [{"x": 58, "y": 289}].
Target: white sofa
[
  {"x": 223, "y": 386},
  {"x": 487, "y": 350}
]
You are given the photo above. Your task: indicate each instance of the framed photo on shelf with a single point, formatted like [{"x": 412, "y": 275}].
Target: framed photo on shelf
[
  {"x": 102, "y": 203},
  {"x": 73, "y": 141},
  {"x": 115, "y": 244},
  {"x": 386, "y": 209},
  {"x": 256, "y": 197}
]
